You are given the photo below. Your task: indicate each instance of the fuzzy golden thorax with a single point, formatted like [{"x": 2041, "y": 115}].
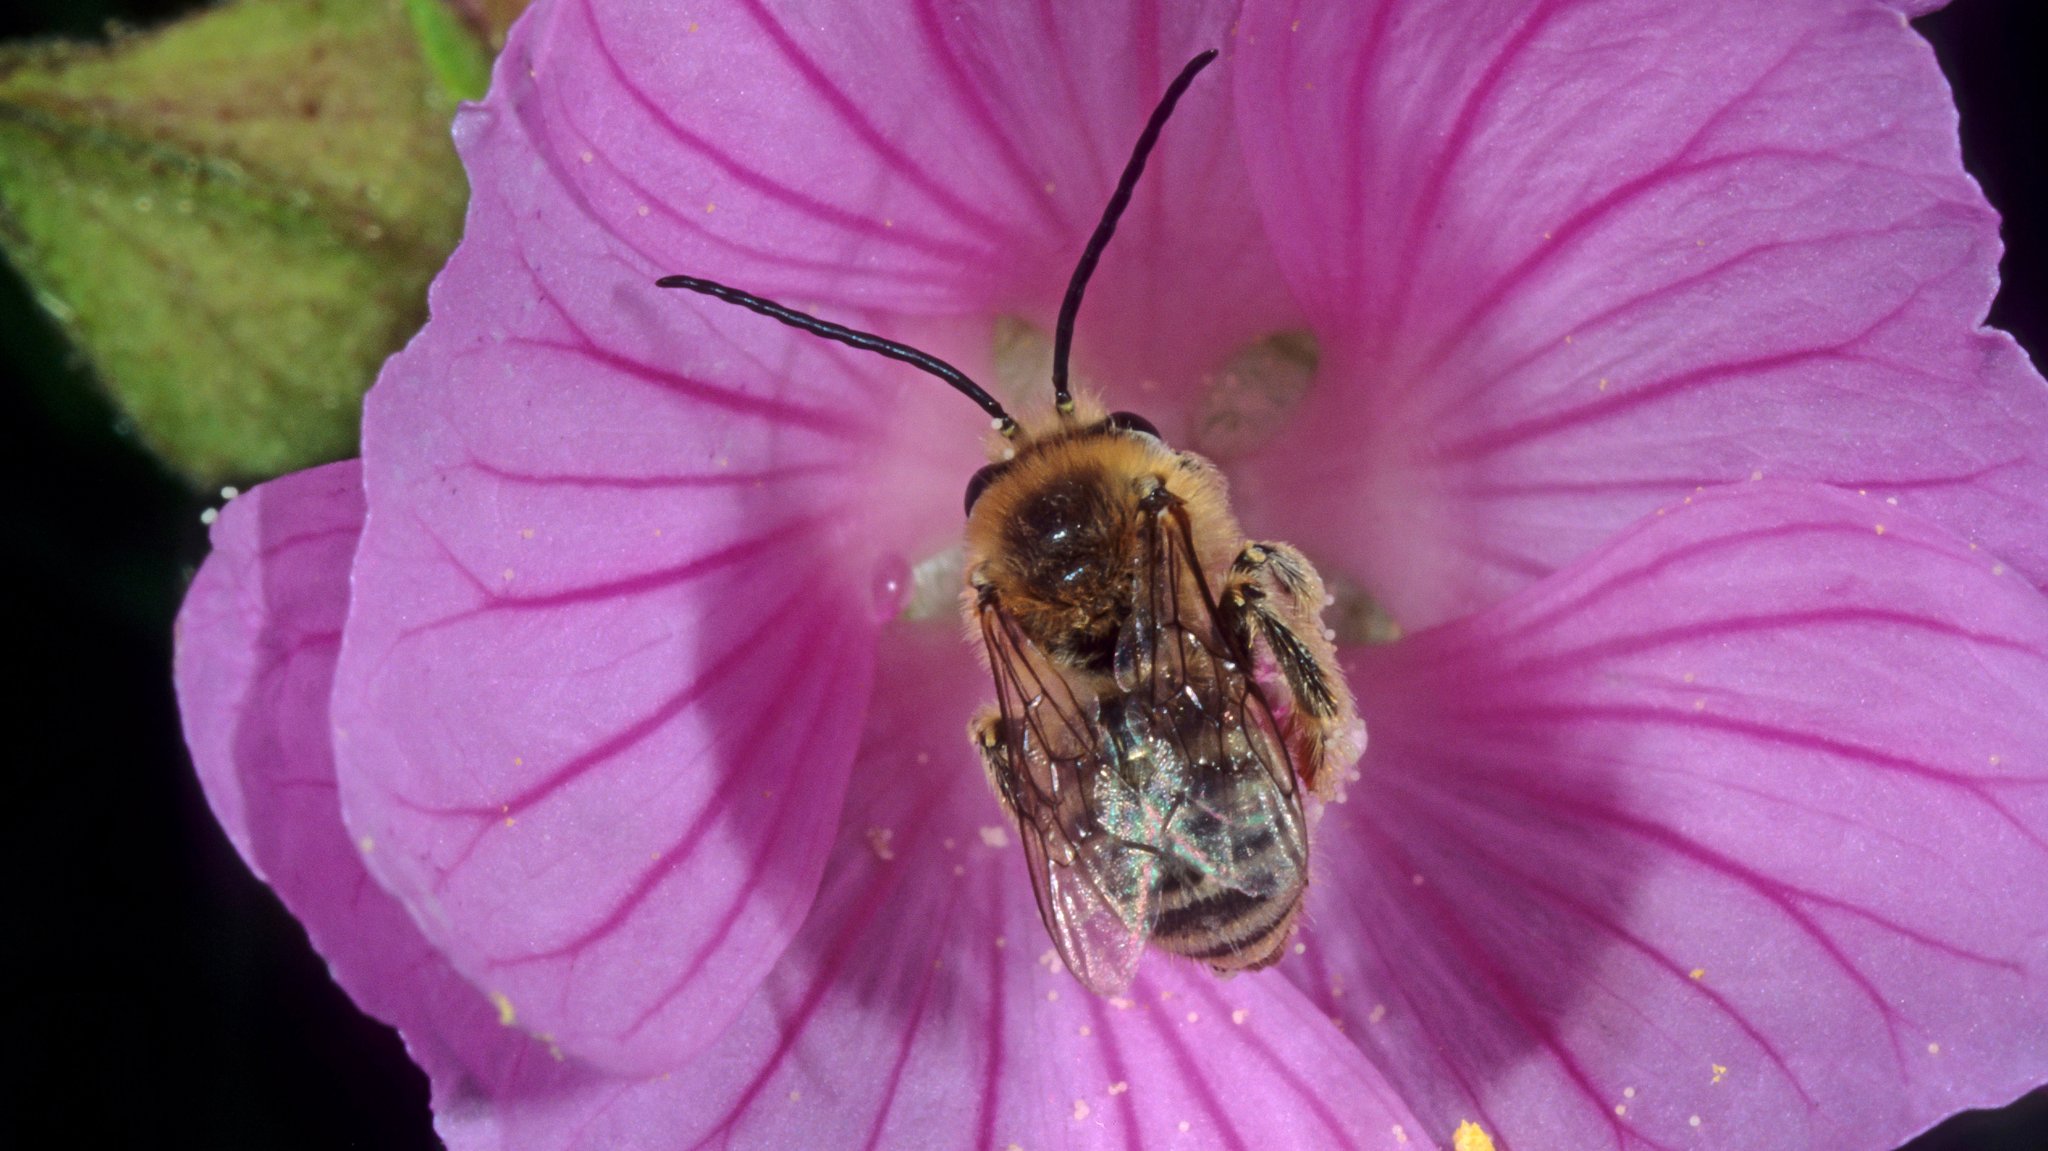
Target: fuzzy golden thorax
[{"x": 1055, "y": 532}]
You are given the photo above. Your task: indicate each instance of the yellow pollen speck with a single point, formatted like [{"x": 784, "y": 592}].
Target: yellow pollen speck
[
  {"x": 1194, "y": 1018},
  {"x": 1994, "y": 761},
  {"x": 1687, "y": 677},
  {"x": 1756, "y": 475},
  {"x": 1378, "y": 1012},
  {"x": 1001, "y": 943},
  {"x": 1052, "y": 997},
  {"x": 366, "y": 845},
  {"x": 1400, "y": 1133},
  {"x": 1699, "y": 705},
  {"x": 640, "y": 209},
  {"x": 509, "y": 821},
  {"x": 1997, "y": 569},
  {"x": 1183, "y": 1126},
  {"x": 1880, "y": 529},
  {"x": 1693, "y": 1120},
  {"x": 587, "y": 156},
  {"x": 1660, "y": 511},
  {"x": 1080, "y": 1109},
  {"x": 796, "y": 1096},
  {"x": 1934, "y": 1048},
  {"x": 657, "y": 533},
  {"x": 1165, "y": 995},
  {"x": 1546, "y": 235},
  {"x": 710, "y": 207},
  {"x": 1698, "y": 973},
  {"x": 518, "y": 761},
  {"x": 1628, "y": 1093},
  {"x": 878, "y": 842},
  {"x": 1892, "y": 500},
  {"x": 509, "y": 573},
  {"x": 526, "y": 533},
  {"x": 1086, "y": 1030},
  {"x": 1621, "y": 1108},
  {"x": 1120, "y": 1003},
  {"x": 504, "y": 1004},
  {"x": 1300, "y": 947},
  {"x": 1238, "y": 1016},
  {"x": 1567, "y": 339},
  {"x": 1719, "y": 1071},
  {"x": 1603, "y": 383},
  {"x": 1119, "y": 1087},
  {"x": 1294, "y": 27},
  {"x": 887, "y": 222},
  {"x": 1471, "y": 1136},
  {"x": 994, "y": 837}
]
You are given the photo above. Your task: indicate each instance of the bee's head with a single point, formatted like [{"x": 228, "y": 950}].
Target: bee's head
[{"x": 1113, "y": 424}]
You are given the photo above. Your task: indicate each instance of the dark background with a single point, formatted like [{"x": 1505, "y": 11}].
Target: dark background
[{"x": 161, "y": 994}]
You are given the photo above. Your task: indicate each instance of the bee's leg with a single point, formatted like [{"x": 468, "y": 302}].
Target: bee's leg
[
  {"x": 985, "y": 731},
  {"x": 1273, "y": 594}
]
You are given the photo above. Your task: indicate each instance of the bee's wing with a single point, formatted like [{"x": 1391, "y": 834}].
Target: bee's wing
[
  {"x": 1219, "y": 773},
  {"x": 1094, "y": 889}
]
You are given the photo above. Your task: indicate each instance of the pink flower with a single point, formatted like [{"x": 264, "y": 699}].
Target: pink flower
[{"x": 1707, "y": 803}]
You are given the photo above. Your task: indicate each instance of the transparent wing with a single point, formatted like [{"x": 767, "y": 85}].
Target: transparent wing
[
  {"x": 1219, "y": 799},
  {"x": 1094, "y": 889}
]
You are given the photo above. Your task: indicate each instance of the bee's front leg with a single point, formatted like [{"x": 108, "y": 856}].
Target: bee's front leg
[
  {"x": 1273, "y": 595},
  {"x": 985, "y": 731}
]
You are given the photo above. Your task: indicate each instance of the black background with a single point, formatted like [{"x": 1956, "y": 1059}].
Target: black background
[{"x": 162, "y": 994}]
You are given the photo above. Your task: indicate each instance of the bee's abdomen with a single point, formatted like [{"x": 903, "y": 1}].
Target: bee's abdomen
[{"x": 1221, "y": 925}]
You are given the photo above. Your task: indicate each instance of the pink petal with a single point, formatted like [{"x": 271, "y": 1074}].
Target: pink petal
[
  {"x": 257, "y": 642},
  {"x": 915, "y": 156},
  {"x": 1571, "y": 260},
  {"x": 1730, "y": 835},
  {"x": 921, "y": 1007},
  {"x": 611, "y": 634}
]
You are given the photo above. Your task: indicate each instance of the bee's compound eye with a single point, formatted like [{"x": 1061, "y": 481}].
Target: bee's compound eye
[
  {"x": 979, "y": 483},
  {"x": 1133, "y": 422}
]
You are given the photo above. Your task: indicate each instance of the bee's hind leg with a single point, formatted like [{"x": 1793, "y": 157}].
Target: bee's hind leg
[
  {"x": 1272, "y": 594},
  {"x": 985, "y": 731}
]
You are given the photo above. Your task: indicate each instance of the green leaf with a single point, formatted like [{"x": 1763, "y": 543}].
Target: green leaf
[
  {"x": 452, "y": 49},
  {"x": 235, "y": 218}
]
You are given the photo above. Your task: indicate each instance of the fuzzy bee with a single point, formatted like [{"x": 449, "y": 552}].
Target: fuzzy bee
[{"x": 1164, "y": 688}]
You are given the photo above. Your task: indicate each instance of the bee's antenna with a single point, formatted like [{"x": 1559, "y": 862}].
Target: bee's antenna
[
  {"x": 866, "y": 341},
  {"x": 1063, "y": 335}
]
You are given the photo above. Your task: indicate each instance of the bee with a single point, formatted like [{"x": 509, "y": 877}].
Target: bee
[{"x": 1165, "y": 689}]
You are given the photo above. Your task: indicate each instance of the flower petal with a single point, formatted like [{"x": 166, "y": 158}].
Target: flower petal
[
  {"x": 922, "y": 1007},
  {"x": 612, "y": 626},
  {"x": 257, "y": 641},
  {"x": 914, "y": 156},
  {"x": 1572, "y": 260},
  {"x": 1729, "y": 836}
]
